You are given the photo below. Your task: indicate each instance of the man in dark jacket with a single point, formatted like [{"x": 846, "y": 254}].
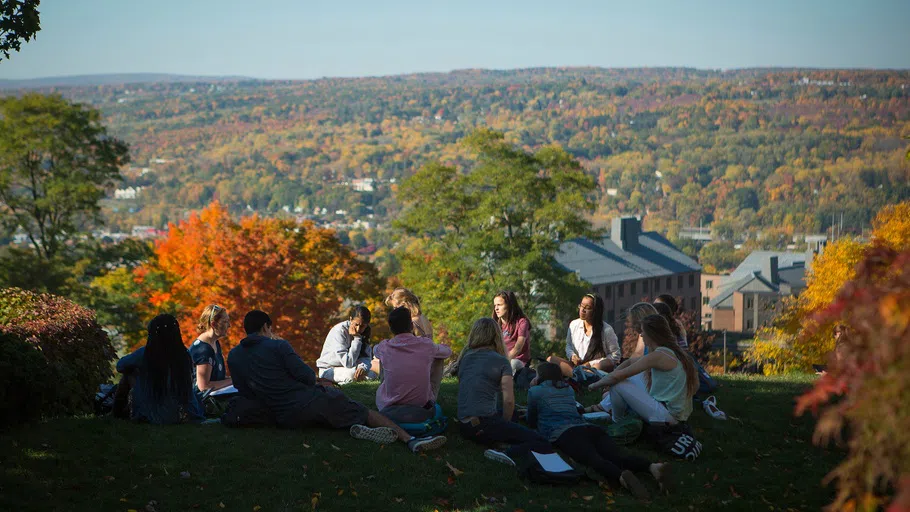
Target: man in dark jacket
[{"x": 266, "y": 369}]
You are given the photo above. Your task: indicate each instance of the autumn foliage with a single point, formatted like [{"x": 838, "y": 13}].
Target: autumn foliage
[{"x": 299, "y": 274}]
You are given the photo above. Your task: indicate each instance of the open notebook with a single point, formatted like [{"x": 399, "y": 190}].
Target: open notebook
[{"x": 230, "y": 390}]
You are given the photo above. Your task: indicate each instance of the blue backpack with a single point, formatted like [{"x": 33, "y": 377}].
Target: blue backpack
[{"x": 431, "y": 427}]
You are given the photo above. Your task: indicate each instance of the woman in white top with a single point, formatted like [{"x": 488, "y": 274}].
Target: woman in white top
[{"x": 590, "y": 341}]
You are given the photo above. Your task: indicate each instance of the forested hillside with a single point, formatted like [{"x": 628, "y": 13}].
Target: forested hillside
[{"x": 776, "y": 151}]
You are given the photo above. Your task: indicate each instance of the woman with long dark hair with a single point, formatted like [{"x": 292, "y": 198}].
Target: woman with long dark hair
[
  {"x": 552, "y": 411},
  {"x": 665, "y": 311},
  {"x": 347, "y": 355},
  {"x": 670, "y": 376},
  {"x": 161, "y": 379},
  {"x": 516, "y": 329},
  {"x": 590, "y": 341},
  {"x": 671, "y": 303}
]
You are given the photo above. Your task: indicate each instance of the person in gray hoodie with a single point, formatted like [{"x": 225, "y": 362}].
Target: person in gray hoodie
[
  {"x": 266, "y": 370},
  {"x": 346, "y": 354}
]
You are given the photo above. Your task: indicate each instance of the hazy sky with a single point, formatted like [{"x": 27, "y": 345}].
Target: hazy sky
[{"x": 314, "y": 38}]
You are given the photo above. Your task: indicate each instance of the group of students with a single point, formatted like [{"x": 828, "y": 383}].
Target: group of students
[{"x": 657, "y": 382}]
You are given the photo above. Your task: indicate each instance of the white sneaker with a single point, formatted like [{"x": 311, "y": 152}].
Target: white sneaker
[
  {"x": 423, "y": 444},
  {"x": 710, "y": 406},
  {"x": 381, "y": 435},
  {"x": 499, "y": 457}
]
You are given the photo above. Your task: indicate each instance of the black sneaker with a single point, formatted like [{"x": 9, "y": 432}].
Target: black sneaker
[{"x": 423, "y": 444}]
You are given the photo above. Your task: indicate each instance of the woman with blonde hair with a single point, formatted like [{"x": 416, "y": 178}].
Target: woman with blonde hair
[
  {"x": 670, "y": 378},
  {"x": 210, "y": 371},
  {"x": 405, "y": 297},
  {"x": 486, "y": 398}
]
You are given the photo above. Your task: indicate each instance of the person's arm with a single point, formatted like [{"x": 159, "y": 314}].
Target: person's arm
[
  {"x": 348, "y": 354},
  {"x": 508, "y": 396},
  {"x": 656, "y": 359},
  {"x": 131, "y": 361},
  {"x": 532, "y": 408},
  {"x": 203, "y": 372},
  {"x": 442, "y": 351},
  {"x": 571, "y": 354},
  {"x": 523, "y": 326},
  {"x": 295, "y": 366},
  {"x": 611, "y": 344}
]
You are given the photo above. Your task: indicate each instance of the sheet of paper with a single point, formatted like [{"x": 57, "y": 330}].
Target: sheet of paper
[
  {"x": 224, "y": 391},
  {"x": 597, "y": 415},
  {"x": 552, "y": 462}
]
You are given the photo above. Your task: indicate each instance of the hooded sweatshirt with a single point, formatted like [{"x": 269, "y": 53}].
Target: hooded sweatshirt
[{"x": 268, "y": 370}]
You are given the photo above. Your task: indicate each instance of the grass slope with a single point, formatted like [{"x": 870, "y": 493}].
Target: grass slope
[{"x": 763, "y": 462}]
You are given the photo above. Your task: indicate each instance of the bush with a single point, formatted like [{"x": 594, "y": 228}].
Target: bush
[{"x": 53, "y": 356}]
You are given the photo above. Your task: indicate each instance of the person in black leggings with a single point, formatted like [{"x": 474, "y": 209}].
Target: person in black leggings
[{"x": 552, "y": 410}]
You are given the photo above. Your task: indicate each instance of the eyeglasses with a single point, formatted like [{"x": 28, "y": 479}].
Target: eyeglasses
[{"x": 585, "y": 308}]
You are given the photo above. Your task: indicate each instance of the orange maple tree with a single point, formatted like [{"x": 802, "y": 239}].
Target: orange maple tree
[{"x": 299, "y": 274}]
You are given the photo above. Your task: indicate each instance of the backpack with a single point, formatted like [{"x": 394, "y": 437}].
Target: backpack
[
  {"x": 246, "y": 412},
  {"x": 706, "y": 384},
  {"x": 626, "y": 430},
  {"x": 431, "y": 427},
  {"x": 529, "y": 467},
  {"x": 584, "y": 377},
  {"x": 678, "y": 440},
  {"x": 104, "y": 399},
  {"x": 523, "y": 378}
]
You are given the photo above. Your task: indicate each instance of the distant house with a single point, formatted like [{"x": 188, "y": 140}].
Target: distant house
[
  {"x": 710, "y": 288},
  {"x": 748, "y": 296},
  {"x": 631, "y": 265},
  {"x": 363, "y": 184}
]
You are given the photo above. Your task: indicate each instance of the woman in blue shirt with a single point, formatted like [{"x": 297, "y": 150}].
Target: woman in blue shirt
[
  {"x": 552, "y": 410},
  {"x": 209, "y": 368},
  {"x": 159, "y": 373}
]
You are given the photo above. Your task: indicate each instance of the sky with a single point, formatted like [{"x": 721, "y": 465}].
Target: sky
[{"x": 302, "y": 39}]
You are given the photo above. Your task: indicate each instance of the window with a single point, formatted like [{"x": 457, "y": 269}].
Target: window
[
  {"x": 679, "y": 282},
  {"x": 691, "y": 279},
  {"x": 608, "y": 292},
  {"x": 748, "y": 303},
  {"x": 644, "y": 286},
  {"x": 610, "y": 317},
  {"x": 632, "y": 289},
  {"x": 709, "y": 284},
  {"x": 656, "y": 285},
  {"x": 705, "y": 301},
  {"x": 748, "y": 325},
  {"x": 694, "y": 302},
  {"x": 669, "y": 283},
  {"x": 621, "y": 290}
]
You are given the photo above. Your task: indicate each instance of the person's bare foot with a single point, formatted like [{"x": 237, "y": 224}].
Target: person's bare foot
[{"x": 661, "y": 472}]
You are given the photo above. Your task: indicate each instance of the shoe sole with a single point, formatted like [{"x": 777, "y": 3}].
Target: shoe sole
[
  {"x": 432, "y": 444},
  {"x": 380, "y": 435},
  {"x": 664, "y": 478},
  {"x": 499, "y": 457},
  {"x": 633, "y": 485}
]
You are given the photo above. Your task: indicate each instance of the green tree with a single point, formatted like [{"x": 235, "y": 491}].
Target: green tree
[
  {"x": 720, "y": 255},
  {"x": 495, "y": 226},
  {"x": 56, "y": 160},
  {"x": 19, "y": 21}
]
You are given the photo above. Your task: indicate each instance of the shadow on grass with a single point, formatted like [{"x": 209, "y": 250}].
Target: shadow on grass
[{"x": 761, "y": 461}]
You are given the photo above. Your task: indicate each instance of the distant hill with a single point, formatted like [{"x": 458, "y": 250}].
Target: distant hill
[{"x": 112, "y": 79}]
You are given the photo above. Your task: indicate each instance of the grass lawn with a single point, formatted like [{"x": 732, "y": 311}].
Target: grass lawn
[{"x": 765, "y": 461}]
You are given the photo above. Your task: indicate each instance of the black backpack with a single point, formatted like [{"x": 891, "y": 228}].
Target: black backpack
[
  {"x": 678, "y": 440},
  {"x": 529, "y": 468}
]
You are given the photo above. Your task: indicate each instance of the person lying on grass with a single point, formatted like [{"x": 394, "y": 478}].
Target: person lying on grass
[
  {"x": 669, "y": 375},
  {"x": 411, "y": 371},
  {"x": 552, "y": 411},
  {"x": 157, "y": 386},
  {"x": 485, "y": 375},
  {"x": 266, "y": 369}
]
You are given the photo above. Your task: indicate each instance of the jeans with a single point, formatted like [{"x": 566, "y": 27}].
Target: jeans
[
  {"x": 628, "y": 394},
  {"x": 591, "y": 445},
  {"x": 492, "y": 430}
]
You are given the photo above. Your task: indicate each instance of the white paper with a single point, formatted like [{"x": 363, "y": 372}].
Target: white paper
[
  {"x": 224, "y": 391},
  {"x": 552, "y": 462}
]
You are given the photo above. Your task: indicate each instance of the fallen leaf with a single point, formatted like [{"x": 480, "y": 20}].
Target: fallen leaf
[
  {"x": 109, "y": 478},
  {"x": 123, "y": 500},
  {"x": 335, "y": 447},
  {"x": 587, "y": 498},
  {"x": 257, "y": 508},
  {"x": 455, "y": 471},
  {"x": 340, "y": 492},
  {"x": 451, "y": 480},
  {"x": 715, "y": 477},
  {"x": 306, "y": 445},
  {"x": 220, "y": 505},
  {"x": 399, "y": 500},
  {"x": 573, "y": 494},
  {"x": 734, "y": 493}
]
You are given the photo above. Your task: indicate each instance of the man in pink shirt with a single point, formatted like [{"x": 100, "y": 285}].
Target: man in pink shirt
[{"x": 411, "y": 371}]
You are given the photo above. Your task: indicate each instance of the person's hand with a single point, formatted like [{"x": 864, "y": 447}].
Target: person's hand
[
  {"x": 533, "y": 382},
  {"x": 360, "y": 373},
  {"x": 576, "y": 360},
  {"x": 353, "y": 330},
  {"x": 604, "y": 382}
]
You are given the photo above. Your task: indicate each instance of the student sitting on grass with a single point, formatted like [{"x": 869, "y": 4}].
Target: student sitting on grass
[
  {"x": 667, "y": 312},
  {"x": 515, "y": 327},
  {"x": 671, "y": 303},
  {"x": 346, "y": 355},
  {"x": 552, "y": 410},
  {"x": 411, "y": 371},
  {"x": 210, "y": 369},
  {"x": 267, "y": 370},
  {"x": 669, "y": 374},
  {"x": 404, "y": 297},
  {"x": 486, "y": 398},
  {"x": 590, "y": 340},
  {"x": 158, "y": 383}
]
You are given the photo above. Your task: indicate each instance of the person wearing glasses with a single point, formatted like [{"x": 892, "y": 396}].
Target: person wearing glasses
[
  {"x": 346, "y": 354},
  {"x": 590, "y": 341},
  {"x": 210, "y": 371}
]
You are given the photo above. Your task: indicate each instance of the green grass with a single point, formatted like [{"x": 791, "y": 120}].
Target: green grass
[{"x": 765, "y": 461}]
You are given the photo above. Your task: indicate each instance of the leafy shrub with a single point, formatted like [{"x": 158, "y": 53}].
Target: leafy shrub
[
  {"x": 53, "y": 356},
  {"x": 866, "y": 390}
]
